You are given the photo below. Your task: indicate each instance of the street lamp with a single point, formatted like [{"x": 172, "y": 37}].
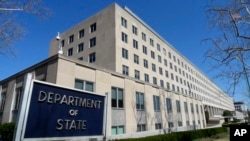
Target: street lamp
[{"x": 58, "y": 38}]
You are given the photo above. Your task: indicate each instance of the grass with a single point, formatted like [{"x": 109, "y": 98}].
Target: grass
[{"x": 218, "y": 137}]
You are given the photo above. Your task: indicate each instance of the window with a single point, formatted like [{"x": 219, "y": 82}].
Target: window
[
  {"x": 171, "y": 66},
  {"x": 151, "y": 42},
  {"x": 158, "y": 47},
  {"x": 152, "y": 54},
  {"x": 162, "y": 83},
  {"x": 178, "y": 106},
  {"x": 81, "y": 33},
  {"x": 124, "y": 22},
  {"x": 170, "y": 124},
  {"x": 124, "y": 53},
  {"x": 197, "y": 109},
  {"x": 158, "y": 126},
  {"x": 135, "y": 44},
  {"x": 18, "y": 94},
  {"x": 146, "y": 77},
  {"x": 71, "y": 38},
  {"x": 169, "y": 55},
  {"x": 165, "y": 62},
  {"x": 186, "y": 107},
  {"x": 153, "y": 67},
  {"x": 117, "y": 98},
  {"x": 144, "y": 38},
  {"x": 166, "y": 74},
  {"x": 92, "y": 57},
  {"x": 124, "y": 37},
  {"x": 160, "y": 71},
  {"x": 125, "y": 70},
  {"x": 155, "y": 80},
  {"x": 92, "y": 42},
  {"x": 159, "y": 58},
  {"x": 164, "y": 52},
  {"x": 145, "y": 63},
  {"x": 117, "y": 130},
  {"x": 192, "y": 107},
  {"x": 156, "y": 103},
  {"x": 179, "y": 123},
  {"x": 93, "y": 27},
  {"x": 144, "y": 49},
  {"x": 169, "y": 105},
  {"x": 141, "y": 127},
  {"x": 172, "y": 76},
  {"x": 168, "y": 86},
  {"x": 134, "y": 30},
  {"x": 136, "y": 59},
  {"x": 70, "y": 52},
  {"x": 80, "y": 47},
  {"x": 140, "y": 101},
  {"x": 3, "y": 100},
  {"x": 137, "y": 74},
  {"x": 84, "y": 85}
]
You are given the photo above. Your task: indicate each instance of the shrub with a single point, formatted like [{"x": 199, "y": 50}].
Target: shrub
[
  {"x": 182, "y": 136},
  {"x": 7, "y": 131}
]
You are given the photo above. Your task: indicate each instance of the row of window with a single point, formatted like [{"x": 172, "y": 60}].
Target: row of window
[
  {"x": 80, "y": 47},
  {"x": 81, "y": 33},
  {"x": 170, "y": 56}
]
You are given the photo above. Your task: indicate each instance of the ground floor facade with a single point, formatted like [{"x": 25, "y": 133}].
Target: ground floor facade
[{"x": 135, "y": 106}]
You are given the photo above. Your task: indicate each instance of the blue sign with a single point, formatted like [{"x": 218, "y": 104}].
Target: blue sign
[{"x": 60, "y": 112}]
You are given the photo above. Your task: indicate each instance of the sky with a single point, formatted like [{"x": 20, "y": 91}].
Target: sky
[{"x": 182, "y": 23}]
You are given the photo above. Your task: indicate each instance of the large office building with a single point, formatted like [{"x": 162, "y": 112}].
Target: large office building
[{"x": 153, "y": 86}]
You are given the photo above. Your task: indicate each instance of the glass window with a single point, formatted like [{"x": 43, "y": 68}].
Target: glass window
[
  {"x": 117, "y": 97},
  {"x": 124, "y": 37},
  {"x": 144, "y": 36},
  {"x": 152, "y": 55},
  {"x": 93, "y": 27},
  {"x": 141, "y": 127},
  {"x": 137, "y": 74},
  {"x": 71, "y": 38},
  {"x": 3, "y": 100},
  {"x": 144, "y": 49},
  {"x": 156, "y": 103},
  {"x": 81, "y": 33},
  {"x": 158, "y": 126},
  {"x": 186, "y": 107},
  {"x": 135, "y": 44},
  {"x": 140, "y": 101},
  {"x": 84, "y": 85},
  {"x": 92, "y": 57},
  {"x": 124, "y": 53},
  {"x": 124, "y": 22},
  {"x": 145, "y": 63},
  {"x": 80, "y": 47},
  {"x": 178, "y": 106},
  {"x": 70, "y": 52},
  {"x": 92, "y": 42},
  {"x": 158, "y": 47},
  {"x": 136, "y": 59},
  {"x": 155, "y": 80},
  {"x": 153, "y": 67},
  {"x": 146, "y": 77},
  {"x": 151, "y": 42},
  {"x": 125, "y": 70},
  {"x": 192, "y": 107},
  {"x": 169, "y": 105},
  {"x": 117, "y": 130},
  {"x": 134, "y": 30}
]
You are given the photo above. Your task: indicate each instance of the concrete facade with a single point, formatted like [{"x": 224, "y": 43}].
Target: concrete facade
[{"x": 116, "y": 52}]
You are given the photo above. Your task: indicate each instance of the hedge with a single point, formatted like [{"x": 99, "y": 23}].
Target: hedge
[
  {"x": 182, "y": 136},
  {"x": 7, "y": 131}
]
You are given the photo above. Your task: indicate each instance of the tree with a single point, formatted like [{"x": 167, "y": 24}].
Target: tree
[
  {"x": 230, "y": 51},
  {"x": 10, "y": 29}
]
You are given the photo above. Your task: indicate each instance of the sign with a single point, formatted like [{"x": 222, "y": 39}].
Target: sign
[
  {"x": 55, "y": 111},
  {"x": 239, "y": 132}
]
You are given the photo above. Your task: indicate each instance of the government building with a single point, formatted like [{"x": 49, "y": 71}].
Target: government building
[{"x": 153, "y": 88}]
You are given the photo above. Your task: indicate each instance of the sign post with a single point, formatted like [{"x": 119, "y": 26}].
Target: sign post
[{"x": 56, "y": 113}]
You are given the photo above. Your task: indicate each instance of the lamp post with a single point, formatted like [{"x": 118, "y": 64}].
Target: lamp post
[{"x": 58, "y": 38}]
